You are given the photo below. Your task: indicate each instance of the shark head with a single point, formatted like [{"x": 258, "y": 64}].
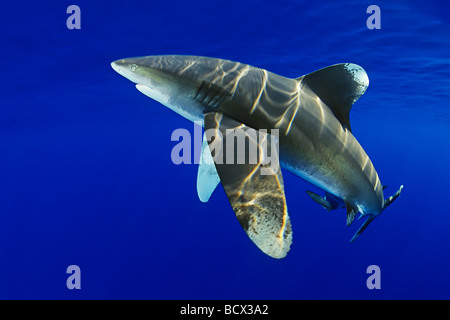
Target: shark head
[{"x": 167, "y": 80}]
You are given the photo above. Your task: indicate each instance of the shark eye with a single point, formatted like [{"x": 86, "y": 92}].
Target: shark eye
[{"x": 133, "y": 67}]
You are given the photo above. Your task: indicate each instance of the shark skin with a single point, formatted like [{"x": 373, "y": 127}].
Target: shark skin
[{"x": 311, "y": 113}]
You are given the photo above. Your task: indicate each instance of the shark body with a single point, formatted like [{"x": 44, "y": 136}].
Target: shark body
[{"x": 311, "y": 114}]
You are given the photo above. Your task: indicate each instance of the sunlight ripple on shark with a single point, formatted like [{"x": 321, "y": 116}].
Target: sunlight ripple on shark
[{"x": 315, "y": 138}]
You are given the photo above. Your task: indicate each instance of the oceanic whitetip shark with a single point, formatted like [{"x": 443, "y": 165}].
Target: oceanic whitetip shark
[{"x": 315, "y": 141}]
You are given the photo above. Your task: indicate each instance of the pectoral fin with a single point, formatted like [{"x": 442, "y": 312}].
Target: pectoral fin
[
  {"x": 207, "y": 177},
  {"x": 255, "y": 190}
]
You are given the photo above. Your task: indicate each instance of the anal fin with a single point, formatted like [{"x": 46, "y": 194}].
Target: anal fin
[{"x": 351, "y": 213}]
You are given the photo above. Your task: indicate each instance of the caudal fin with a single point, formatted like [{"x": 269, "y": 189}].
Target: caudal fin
[
  {"x": 387, "y": 203},
  {"x": 391, "y": 199},
  {"x": 362, "y": 228}
]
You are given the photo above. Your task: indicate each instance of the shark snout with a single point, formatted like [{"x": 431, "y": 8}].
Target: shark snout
[
  {"x": 119, "y": 66},
  {"x": 127, "y": 69}
]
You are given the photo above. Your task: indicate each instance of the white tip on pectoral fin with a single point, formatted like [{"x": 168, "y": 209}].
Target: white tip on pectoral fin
[{"x": 207, "y": 177}]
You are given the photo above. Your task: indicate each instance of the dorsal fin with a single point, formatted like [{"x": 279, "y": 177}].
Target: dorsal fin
[{"x": 338, "y": 86}]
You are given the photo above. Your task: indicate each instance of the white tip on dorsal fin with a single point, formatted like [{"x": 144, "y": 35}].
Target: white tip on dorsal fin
[
  {"x": 207, "y": 177},
  {"x": 338, "y": 86}
]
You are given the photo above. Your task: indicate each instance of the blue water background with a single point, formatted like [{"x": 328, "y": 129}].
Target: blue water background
[{"x": 86, "y": 176}]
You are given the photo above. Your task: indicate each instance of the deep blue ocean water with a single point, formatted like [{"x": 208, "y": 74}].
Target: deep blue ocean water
[{"x": 86, "y": 176}]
